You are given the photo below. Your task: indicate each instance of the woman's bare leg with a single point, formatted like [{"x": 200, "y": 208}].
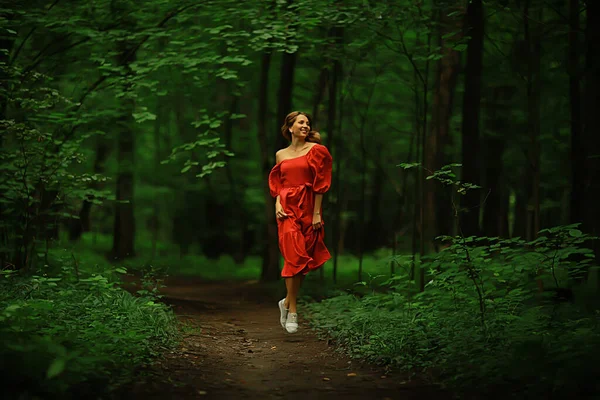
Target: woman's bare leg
[
  {"x": 293, "y": 285},
  {"x": 289, "y": 286}
]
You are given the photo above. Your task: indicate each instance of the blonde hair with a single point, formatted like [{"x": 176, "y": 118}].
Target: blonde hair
[{"x": 313, "y": 136}]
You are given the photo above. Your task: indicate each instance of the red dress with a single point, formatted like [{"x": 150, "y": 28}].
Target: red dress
[{"x": 296, "y": 180}]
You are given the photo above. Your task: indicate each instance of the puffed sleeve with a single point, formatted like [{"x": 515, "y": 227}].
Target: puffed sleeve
[
  {"x": 275, "y": 180},
  {"x": 319, "y": 161}
]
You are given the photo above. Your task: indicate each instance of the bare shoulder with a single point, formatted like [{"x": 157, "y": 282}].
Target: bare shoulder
[{"x": 279, "y": 154}]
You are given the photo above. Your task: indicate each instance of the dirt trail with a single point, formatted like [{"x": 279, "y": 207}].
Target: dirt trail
[{"x": 241, "y": 352}]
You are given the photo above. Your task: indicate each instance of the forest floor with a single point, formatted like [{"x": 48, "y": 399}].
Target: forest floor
[{"x": 240, "y": 351}]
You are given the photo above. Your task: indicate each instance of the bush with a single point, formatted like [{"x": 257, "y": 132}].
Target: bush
[
  {"x": 67, "y": 337},
  {"x": 481, "y": 319}
]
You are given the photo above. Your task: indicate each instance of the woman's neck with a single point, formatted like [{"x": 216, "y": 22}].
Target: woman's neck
[{"x": 297, "y": 143}]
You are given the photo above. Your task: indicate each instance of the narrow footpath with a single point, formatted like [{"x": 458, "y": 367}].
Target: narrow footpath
[{"x": 236, "y": 349}]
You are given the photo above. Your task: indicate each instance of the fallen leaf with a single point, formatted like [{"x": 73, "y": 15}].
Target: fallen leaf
[
  {"x": 352, "y": 374},
  {"x": 273, "y": 348},
  {"x": 383, "y": 376},
  {"x": 202, "y": 392},
  {"x": 326, "y": 379}
]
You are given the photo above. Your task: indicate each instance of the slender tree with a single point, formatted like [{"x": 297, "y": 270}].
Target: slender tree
[
  {"x": 577, "y": 144},
  {"x": 469, "y": 217},
  {"x": 270, "y": 266},
  {"x": 438, "y": 212},
  {"x": 589, "y": 131},
  {"x": 124, "y": 223}
]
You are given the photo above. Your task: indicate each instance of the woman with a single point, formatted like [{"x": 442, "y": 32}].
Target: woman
[{"x": 300, "y": 177}]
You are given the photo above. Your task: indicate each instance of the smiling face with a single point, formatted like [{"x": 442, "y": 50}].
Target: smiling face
[{"x": 301, "y": 127}]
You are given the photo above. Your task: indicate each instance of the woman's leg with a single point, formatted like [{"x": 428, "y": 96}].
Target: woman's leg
[
  {"x": 289, "y": 286},
  {"x": 293, "y": 285}
]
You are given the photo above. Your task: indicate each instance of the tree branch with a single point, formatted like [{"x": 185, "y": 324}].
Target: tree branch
[
  {"x": 124, "y": 60},
  {"x": 28, "y": 36}
]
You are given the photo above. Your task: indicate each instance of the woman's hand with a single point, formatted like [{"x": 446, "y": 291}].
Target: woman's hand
[
  {"x": 316, "y": 222},
  {"x": 279, "y": 213}
]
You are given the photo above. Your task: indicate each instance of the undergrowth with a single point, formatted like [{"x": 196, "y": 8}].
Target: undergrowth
[
  {"x": 76, "y": 333},
  {"x": 482, "y": 321}
]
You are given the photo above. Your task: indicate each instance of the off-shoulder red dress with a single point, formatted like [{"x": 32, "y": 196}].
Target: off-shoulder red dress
[{"x": 296, "y": 180}]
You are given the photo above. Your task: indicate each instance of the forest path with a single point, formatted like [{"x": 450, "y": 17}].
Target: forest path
[{"x": 242, "y": 352}]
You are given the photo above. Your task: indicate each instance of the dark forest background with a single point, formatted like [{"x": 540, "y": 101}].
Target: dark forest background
[{"x": 139, "y": 136}]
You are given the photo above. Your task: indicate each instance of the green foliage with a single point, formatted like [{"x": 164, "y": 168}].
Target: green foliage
[
  {"x": 35, "y": 159},
  {"x": 208, "y": 141},
  {"x": 76, "y": 333},
  {"x": 480, "y": 317}
]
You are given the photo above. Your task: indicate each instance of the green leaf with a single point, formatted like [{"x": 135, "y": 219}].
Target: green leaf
[
  {"x": 56, "y": 368},
  {"x": 575, "y": 232},
  {"x": 408, "y": 165}
]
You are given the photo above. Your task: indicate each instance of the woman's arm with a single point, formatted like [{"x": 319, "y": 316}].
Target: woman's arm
[
  {"x": 316, "y": 222},
  {"x": 318, "y": 202}
]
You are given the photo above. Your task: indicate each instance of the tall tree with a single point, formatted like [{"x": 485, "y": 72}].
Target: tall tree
[
  {"x": 83, "y": 223},
  {"x": 284, "y": 97},
  {"x": 495, "y": 209},
  {"x": 532, "y": 42},
  {"x": 438, "y": 212},
  {"x": 469, "y": 218},
  {"x": 270, "y": 264},
  {"x": 6, "y": 46},
  {"x": 124, "y": 224},
  {"x": 592, "y": 138},
  {"x": 577, "y": 144}
]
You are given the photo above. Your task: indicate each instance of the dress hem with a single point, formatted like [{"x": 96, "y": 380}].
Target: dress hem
[{"x": 306, "y": 269}]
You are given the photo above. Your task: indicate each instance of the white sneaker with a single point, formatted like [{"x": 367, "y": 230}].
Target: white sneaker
[
  {"x": 291, "y": 325},
  {"x": 283, "y": 313}
]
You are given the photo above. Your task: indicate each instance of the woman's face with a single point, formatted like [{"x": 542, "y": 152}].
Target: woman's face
[{"x": 301, "y": 127}]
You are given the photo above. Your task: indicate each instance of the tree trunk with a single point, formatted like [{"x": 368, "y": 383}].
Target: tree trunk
[
  {"x": 236, "y": 199},
  {"x": 337, "y": 142},
  {"x": 124, "y": 225},
  {"x": 319, "y": 94},
  {"x": 438, "y": 210},
  {"x": 284, "y": 101},
  {"x": 332, "y": 143},
  {"x": 363, "y": 187},
  {"x": 376, "y": 233},
  {"x": 577, "y": 145},
  {"x": 6, "y": 45},
  {"x": 270, "y": 265},
  {"x": 591, "y": 137},
  {"x": 533, "y": 42},
  {"x": 495, "y": 211},
  {"x": 161, "y": 120},
  {"x": 469, "y": 217},
  {"x": 83, "y": 224}
]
